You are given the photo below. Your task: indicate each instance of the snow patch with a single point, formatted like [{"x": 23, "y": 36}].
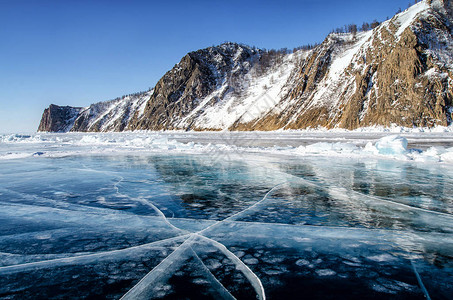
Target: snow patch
[
  {"x": 342, "y": 61},
  {"x": 406, "y": 18}
]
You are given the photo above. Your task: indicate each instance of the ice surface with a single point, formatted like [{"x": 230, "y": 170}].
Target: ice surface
[{"x": 226, "y": 215}]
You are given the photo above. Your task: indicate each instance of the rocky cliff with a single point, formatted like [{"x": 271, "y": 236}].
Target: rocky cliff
[
  {"x": 59, "y": 118},
  {"x": 400, "y": 73}
]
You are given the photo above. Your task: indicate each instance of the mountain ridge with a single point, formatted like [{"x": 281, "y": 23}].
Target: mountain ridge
[{"x": 401, "y": 72}]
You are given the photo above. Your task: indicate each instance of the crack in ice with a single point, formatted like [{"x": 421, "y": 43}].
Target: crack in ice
[
  {"x": 86, "y": 258},
  {"x": 143, "y": 289},
  {"x": 236, "y": 215},
  {"x": 219, "y": 287},
  {"x": 420, "y": 282},
  {"x": 328, "y": 187},
  {"x": 252, "y": 277}
]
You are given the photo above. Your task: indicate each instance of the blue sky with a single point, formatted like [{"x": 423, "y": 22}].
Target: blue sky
[{"x": 77, "y": 52}]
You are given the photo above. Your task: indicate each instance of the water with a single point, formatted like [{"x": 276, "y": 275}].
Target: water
[{"x": 103, "y": 219}]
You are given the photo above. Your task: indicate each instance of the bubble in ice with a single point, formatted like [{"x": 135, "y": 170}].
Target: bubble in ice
[
  {"x": 382, "y": 257},
  {"x": 251, "y": 261},
  {"x": 325, "y": 272},
  {"x": 302, "y": 262}
]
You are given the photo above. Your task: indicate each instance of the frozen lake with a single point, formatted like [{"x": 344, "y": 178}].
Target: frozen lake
[{"x": 230, "y": 216}]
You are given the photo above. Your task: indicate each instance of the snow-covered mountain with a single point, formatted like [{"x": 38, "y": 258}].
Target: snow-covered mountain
[{"x": 401, "y": 72}]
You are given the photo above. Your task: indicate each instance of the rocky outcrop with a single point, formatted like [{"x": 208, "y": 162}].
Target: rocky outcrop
[
  {"x": 58, "y": 118},
  {"x": 399, "y": 73},
  {"x": 196, "y": 76}
]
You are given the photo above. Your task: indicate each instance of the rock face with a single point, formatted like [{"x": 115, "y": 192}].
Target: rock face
[
  {"x": 194, "y": 78},
  {"x": 398, "y": 73},
  {"x": 58, "y": 118}
]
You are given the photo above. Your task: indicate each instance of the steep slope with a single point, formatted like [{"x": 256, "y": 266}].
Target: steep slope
[
  {"x": 112, "y": 115},
  {"x": 400, "y": 73},
  {"x": 201, "y": 78}
]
